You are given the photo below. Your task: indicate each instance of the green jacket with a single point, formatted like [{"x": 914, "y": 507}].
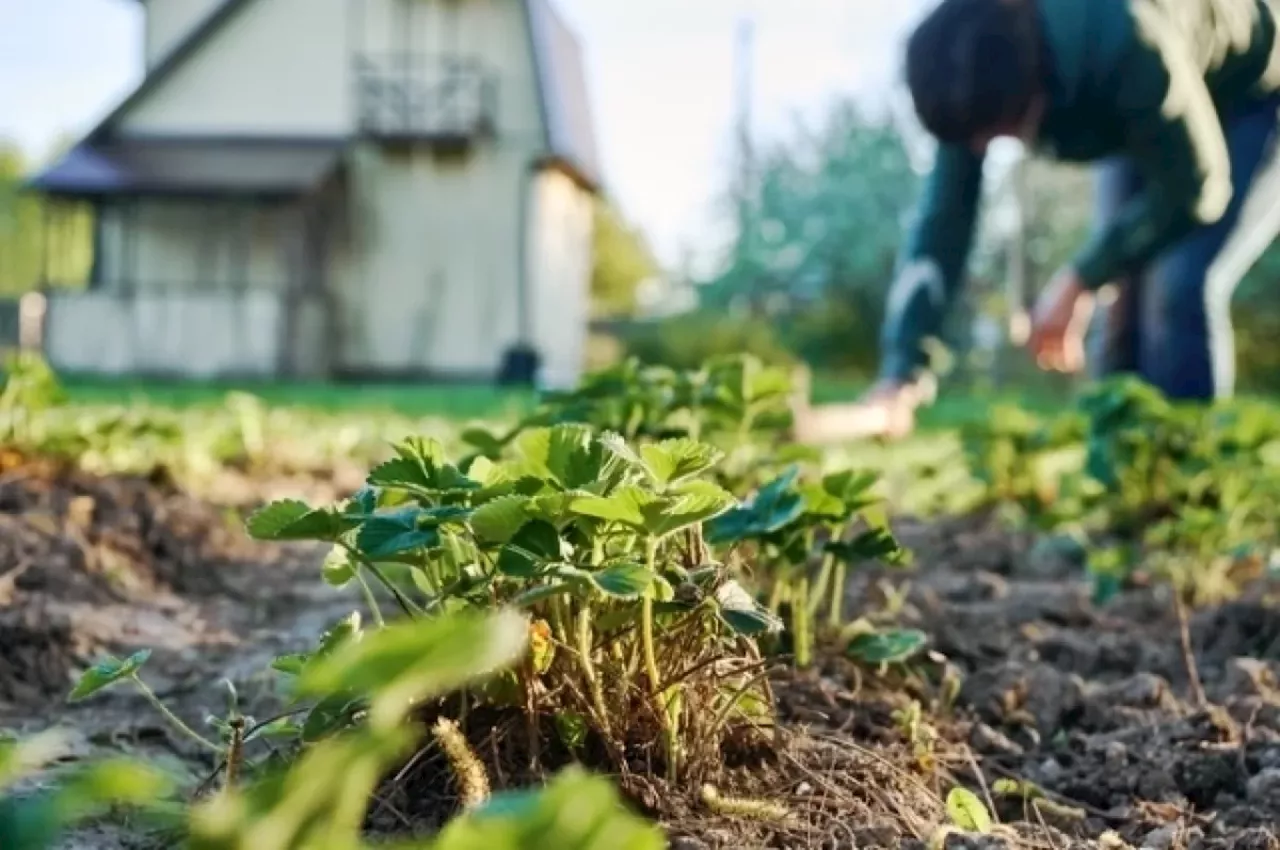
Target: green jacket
[{"x": 1146, "y": 78}]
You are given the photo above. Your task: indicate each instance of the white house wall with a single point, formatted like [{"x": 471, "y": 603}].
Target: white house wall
[
  {"x": 277, "y": 67},
  {"x": 430, "y": 282},
  {"x": 169, "y": 21},
  {"x": 189, "y": 246},
  {"x": 194, "y": 335},
  {"x": 561, "y": 228},
  {"x": 431, "y": 286}
]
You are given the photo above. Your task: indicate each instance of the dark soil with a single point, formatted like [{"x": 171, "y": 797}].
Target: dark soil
[
  {"x": 1091, "y": 705},
  {"x": 91, "y": 565}
]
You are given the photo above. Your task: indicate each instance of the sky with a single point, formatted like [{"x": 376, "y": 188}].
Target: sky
[{"x": 661, "y": 74}]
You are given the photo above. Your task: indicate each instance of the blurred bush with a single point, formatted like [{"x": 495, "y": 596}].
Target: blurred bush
[{"x": 686, "y": 341}]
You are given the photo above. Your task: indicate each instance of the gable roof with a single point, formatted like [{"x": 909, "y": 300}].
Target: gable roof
[
  {"x": 177, "y": 55},
  {"x": 559, "y": 68},
  {"x": 562, "y": 90}
]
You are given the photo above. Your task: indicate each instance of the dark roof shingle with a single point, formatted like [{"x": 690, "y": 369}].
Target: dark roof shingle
[
  {"x": 562, "y": 84},
  {"x": 265, "y": 167}
]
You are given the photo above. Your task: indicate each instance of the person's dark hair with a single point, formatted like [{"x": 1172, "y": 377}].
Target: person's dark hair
[{"x": 972, "y": 67}]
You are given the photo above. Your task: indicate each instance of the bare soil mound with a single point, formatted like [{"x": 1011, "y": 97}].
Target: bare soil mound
[{"x": 90, "y": 564}]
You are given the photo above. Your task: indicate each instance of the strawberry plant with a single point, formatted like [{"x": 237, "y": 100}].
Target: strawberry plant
[
  {"x": 790, "y": 525},
  {"x": 730, "y": 398},
  {"x": 638, "y": 629},
  {"x": 320, "y": 800},
  {"x": 1188, "y": 490},
  {"x": 1020, "y": 460},
  {"x": 734, "y": 403}
]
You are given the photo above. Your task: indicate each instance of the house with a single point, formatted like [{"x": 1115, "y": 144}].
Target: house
[{"x": 336, "y": 189}]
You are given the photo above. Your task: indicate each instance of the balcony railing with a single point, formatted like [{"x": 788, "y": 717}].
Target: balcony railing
[{"x": 448, "y": 101}]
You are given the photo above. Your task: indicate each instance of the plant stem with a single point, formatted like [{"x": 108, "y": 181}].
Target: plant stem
[
  {"x": 800, "y": 624},
  {"x": 559, "y": 620},
  {"x": 835, "y": 617},
  {"x": 174, "y": 719},
  {"x": 776, "y": 594},
  {"x": 370, "y": 600},
  {"x": 722, "y": 716},
  {"x": 589, "y": 669},
  {"x": 406, "y": 604},
  {"x": 665, "y": 704},
  {"x": 646, "y": 621},
  {"x": 1199, "y": 700},
  {"x": 819, "y": 590}
]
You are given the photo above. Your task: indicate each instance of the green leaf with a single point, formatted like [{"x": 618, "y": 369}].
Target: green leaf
[
  {"x": 572, "y": 729},
  {"x": 623, "y": 581},
  {"x": 344, "y": 631},
  {"x": 421, "y": 469},
  {"x": 491, "y": 476},
  {"x": 363, "y": 501},
  {"x": 819, "y": 503},
  {"x": 574, "y": 812},
  {"x": 330, "y": 715},
  {"x": 499, "y": 520},
  {"x": 875, "y": 544},
  {"x": 408, "y": 662},
  {"x": 535, "y": 545},
  {"x": 742, "y": 613},
  {"x": 338, "y": 569},
  {"x": 291, "y": 519},
  {"x": 568, "y": 455},
  {"x": 967, "y": 811},
  {"x": 291, "y": 664},
  {"x": 394, "y": 533},
  {"x": 774, "y": 506},
  {"x": 672, "y": 461},
  {"x": 113, "y": 782},
  {"x": 30, "y": 823},
  {"x": 106, "y": 673},
  {"x": 687, "y": 504},
  {"x": 489, "y": 444},
  {"x": 889, "y": 647},
  {"x": 535, "y": 595},
  {"x": 852, "y": 488},
  {"x": 626, "y": 506}
]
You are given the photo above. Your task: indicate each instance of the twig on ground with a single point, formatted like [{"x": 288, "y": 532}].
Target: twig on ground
[
  {"x": 982, "y": 782},
  {"x": 1198, "y": 698}
]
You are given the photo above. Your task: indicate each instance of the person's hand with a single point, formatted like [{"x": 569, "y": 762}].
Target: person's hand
[
  {"x": 887, "y": 410},
  {"x": 1059, "y": 323}
]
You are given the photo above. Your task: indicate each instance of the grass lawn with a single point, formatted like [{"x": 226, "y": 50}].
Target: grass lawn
[
  {"x": 452, "y": 401},
  {"x": 959, "y": 405},
  {"x": 955, "y": 407}
]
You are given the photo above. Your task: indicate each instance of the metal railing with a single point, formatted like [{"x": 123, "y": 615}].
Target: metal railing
[{"x": 415, "y": 97}]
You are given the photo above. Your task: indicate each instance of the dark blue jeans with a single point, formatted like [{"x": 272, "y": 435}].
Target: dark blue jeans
[{"x": 1170, "y": 323}]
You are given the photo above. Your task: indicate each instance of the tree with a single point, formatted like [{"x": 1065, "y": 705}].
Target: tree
[
  {"x": 821, "y": 235},
  {"x": 39, "y": 236},
  {"x": 21, "y": 226},
  {"x": 622, "y": 262}
]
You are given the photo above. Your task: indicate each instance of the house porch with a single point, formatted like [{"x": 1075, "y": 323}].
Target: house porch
[{"x": 209, "y": 258}]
